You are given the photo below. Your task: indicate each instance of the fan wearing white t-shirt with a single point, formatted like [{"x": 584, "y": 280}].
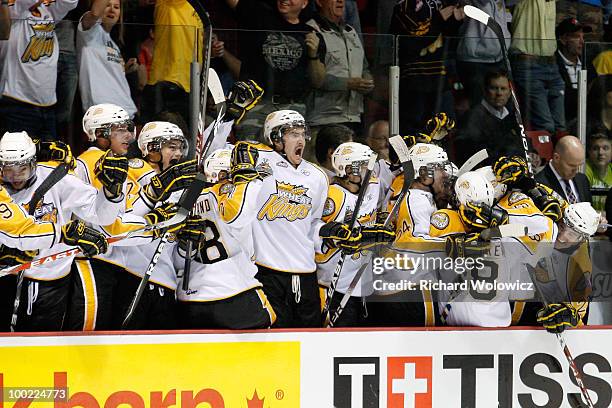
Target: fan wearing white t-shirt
[{"x": 101, "y": 66}]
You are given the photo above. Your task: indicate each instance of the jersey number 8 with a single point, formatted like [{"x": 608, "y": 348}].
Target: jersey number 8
[{"x": 212, "y": 250}]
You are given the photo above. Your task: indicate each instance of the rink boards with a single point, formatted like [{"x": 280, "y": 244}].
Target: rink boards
[{"x": 313, "y": 369}]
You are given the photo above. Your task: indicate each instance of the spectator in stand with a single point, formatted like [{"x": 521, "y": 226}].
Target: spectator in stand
[
  {"x": 424, "y": 89},
  {"x": 284, "y": 58},
  {"x": 598, "y": 167},
  {"x": 570, "y": 34},
  {"x": 534, "y": 66},
  {"x": 331, "y": 136},
  {"x": 490, "y": 124},
  {"x": 479, "y": 51},
  {"x": 351, "y": 15},
  {"x": 101, "y": 67},
  {"x": 339, "y": 99},
  {"x": 599, "y": 106},
  {"x": 5, "y": 20},
  {"x": 145, "y": 54},
  {"x": 378, "y": 138},
  {"x": 29, "y": 67},
  {"x": 561, "y": 174}
]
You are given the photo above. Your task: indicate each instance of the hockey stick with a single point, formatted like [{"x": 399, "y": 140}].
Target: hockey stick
[
  {"x": 334, "y": 281},
  {"x": 484, "y": 18},
  {"x": 401, "y": 149},
  {"x": 473, "y": 161},
  {"x": 52, "y": 179},
  {"x": 216, "y": 90},
  {"x": 186, "y": 203}
]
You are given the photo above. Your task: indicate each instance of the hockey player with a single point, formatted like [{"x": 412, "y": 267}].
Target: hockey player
[
  {"x": 563, "y": 278},
  {"x": 223, "y": 291},
  {"x": 109, "y": 127},
  {"x": 429, "y": 189},
  {"x": 349, "y": 162},
  {"x": 162, "y": 145},
  {"x": 48, "y": 285},
  {"x": 288, "y": 218}
]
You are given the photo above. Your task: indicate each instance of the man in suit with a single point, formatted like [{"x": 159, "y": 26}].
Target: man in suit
[{"x": 561, "y": 173}]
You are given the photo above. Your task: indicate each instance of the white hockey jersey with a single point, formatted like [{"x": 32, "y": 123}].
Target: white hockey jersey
[
  {"x": 224, "y": 268},
  {"x": 67, "y": 197},
  {"x": 339, "y": 207},
  {"x": 29, "y": 57},
  {"x": 289, "y": 214}
]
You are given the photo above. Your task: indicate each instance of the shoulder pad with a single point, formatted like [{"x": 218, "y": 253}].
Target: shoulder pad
[
  {"x": 445, "y": 222},
  {"x": 136, "y": 163},
  {"x": 333, "y": 202}
]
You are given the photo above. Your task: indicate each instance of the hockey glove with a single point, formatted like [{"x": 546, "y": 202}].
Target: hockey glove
[
  {"x": 466, "y": 246},
  {"x": 192, "y": 230},
  {"x": 375, "y": 235},
  {"x": 338, "y": 235},
  {"x": 411, "y": 140},
  {"x": 112, "y": 172},
  {"x": 439, "y": 126},
  {"x": 161, "y": 214},
  {"x": 174, "y": 178},
  {"x": 482, "y": 216},
  {"x": 556, "y": 317},
  {"x": 242, "y": 163},
  {"x": 243, "y": 97},
  {"x": 549, "y": 202},
  {"x": 90, "y": 241},
  {"x": 13, "y": 256},
  {"x": 55, "y": 151},
  {"x": 510, "y": 170}
]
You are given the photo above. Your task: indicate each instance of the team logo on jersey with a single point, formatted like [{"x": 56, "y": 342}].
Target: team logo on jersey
[
  {"x": 290, "y": 202},
  {"x": 440, "y": 220},
  {"x": 227, "y": 188},
  {"x": 329, "y": 207},
  {"x": 44, "y": 212},
  {"x": 305, "y": 172},
  {"x": 41, "y": 42},
  {"x": 282, "y": 164},
  {"x": 515, "y": 197},
  {"x": 136, "y": 163}
]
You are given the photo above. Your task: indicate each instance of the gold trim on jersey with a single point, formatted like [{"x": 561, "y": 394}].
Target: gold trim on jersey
[
  {"x": 231, "y": 198},
  {"x": 90, "y": 298},
  {"x": 430, "y": 317},
  {"x": 517, "y": 312}
]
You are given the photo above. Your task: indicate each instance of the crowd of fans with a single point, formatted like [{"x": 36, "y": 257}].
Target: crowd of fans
[{"x": 319, "y": 58}]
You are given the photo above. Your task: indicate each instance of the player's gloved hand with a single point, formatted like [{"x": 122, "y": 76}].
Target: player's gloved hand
[
  {"x": 90, "y": 241},
  {"x": 13, "y": 256},
  {"x": 481, "y": 216},
  {"x": 556, "y": 317},
  {"x": 243, "y": 97},
  {"x": 174, "y": 178},
  {"x": 512, "y": 171},
  {"x": 375, "y": 235},
  {"x": 242, "y": 163},
  {"x": 548, "y": 201},
  {"x": 439, "y": 126},
  {"x": 466, "y": 246},
  {"x": 192, "y": 230},
  {"x": 339, "y": 235},
  {"x": 56, "y": 151},
  {"x": 161, "y": 214},
  {"x": 112, "y": 172},
  {"x": 411, "y": 140}
]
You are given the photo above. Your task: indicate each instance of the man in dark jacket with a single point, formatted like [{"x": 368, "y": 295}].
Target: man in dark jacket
[{"x": 561, "y": 174}]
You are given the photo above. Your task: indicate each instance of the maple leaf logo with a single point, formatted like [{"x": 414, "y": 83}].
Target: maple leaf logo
[{"x": 255, "y": 402}]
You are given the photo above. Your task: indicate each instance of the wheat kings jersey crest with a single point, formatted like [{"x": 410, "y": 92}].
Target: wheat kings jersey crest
[
  {"x": 290, "y": 205},
  {"x": 29, "y": 58},
  {"x": 69, "y": 196}
]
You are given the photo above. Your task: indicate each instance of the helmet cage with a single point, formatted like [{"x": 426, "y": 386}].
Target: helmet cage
[
  {"x": 107, "y": 128},
  {"x": 30, "y": 161},
  {"x": 276, "y": 135},
  {"x": 580, "y": 236},
  {"x": 157, "y": 143}
]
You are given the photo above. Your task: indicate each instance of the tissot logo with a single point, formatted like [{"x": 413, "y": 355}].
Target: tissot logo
[{"x": 357, "y": 382}]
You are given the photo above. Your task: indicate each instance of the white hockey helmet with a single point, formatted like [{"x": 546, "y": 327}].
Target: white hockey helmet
[
  {"x": 582, "y": 218},
  {"x": 280, "y": 121},
  {"x": 350, "y": 154},
  {"x": 217, "y": 162},
  {"x": 154, "y": 134},
  {"x": 499, "y": 188},
  {"x": 426, "y": 155},
  {"x": 17, "y": 157},
  {"x": 103, "y": 116},
  {"x": 474, "y": 188}
]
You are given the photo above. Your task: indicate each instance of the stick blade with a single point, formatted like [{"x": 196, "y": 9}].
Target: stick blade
[
  {"x": 215, "y": 87},
  {"x": 476, "y": 14},
  {"x": 507, "y": 230},
  {"x": 400, "y": 148},
  {"x": 473, "y": 161}
]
